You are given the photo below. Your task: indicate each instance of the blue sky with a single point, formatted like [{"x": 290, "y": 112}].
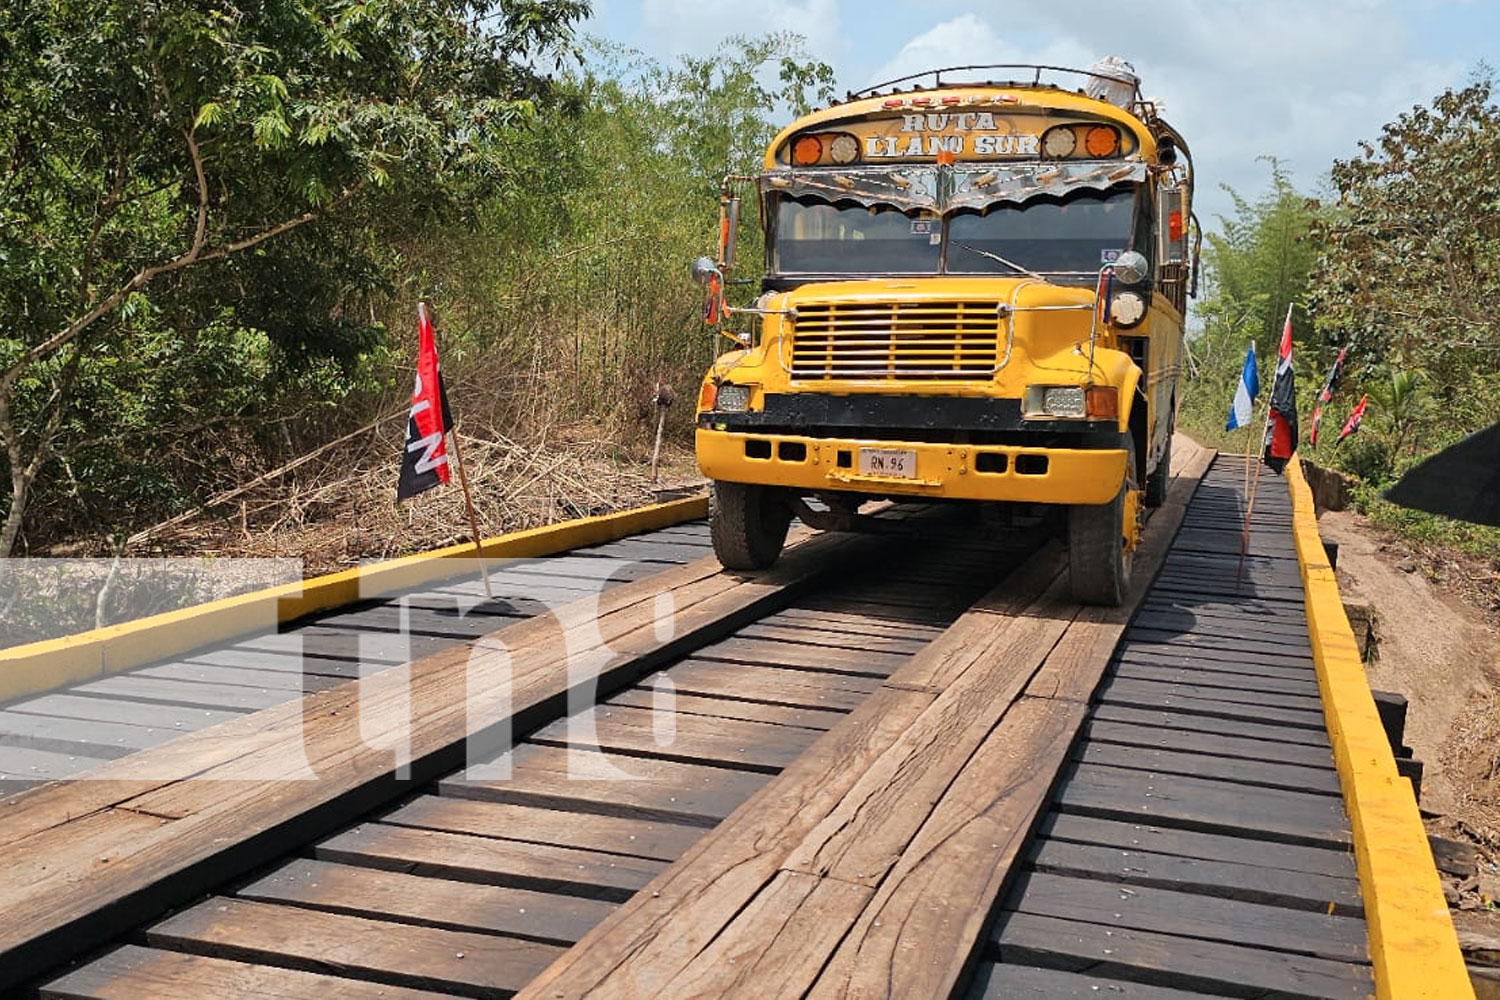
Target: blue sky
[{"x": 1302, "y": 80}]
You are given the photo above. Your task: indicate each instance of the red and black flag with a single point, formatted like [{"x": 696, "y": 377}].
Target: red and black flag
[
  {"x": 1281, "y": 422},
  {"x": 1329, "y": 385},
  {"x": 425, "y": 462},
  {"x": 1355, "y": 419}
]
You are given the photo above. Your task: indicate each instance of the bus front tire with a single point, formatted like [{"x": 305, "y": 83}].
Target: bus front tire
[
  {"x": 1157, "y": 482},
  {"x": 1098, "y": 565},
  {"x": 748, "y": 524}
]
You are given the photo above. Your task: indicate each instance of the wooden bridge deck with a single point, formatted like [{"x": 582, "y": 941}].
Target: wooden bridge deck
[
  {"x": 885, "y": 787},
  {"x": 70, "y": 730},
  {"x": 1197, "y": 843}
]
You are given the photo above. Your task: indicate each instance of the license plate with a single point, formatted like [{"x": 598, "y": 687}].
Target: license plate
[{"x": 894, "y": 463}]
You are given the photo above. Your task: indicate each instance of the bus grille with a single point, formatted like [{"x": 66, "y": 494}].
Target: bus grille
[{"x": 906, "y": 341}]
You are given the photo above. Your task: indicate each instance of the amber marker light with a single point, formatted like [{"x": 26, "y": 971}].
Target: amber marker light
[
  {"x": 807, "y": 151},
  {"x": 707, "y": 397},
  {"x": 1102, "y": 141},
  {"x": 1102, "y": 402}
]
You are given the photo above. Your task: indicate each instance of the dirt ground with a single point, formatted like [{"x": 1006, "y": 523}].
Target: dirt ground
[
  {"x": 1439, "y": 645},
  {"x": 1443, "y": 654}
]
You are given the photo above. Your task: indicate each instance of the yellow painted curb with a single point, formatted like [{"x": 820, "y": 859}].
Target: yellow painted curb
[
  {"x": 1412, "y": 943},
  {"x": 44, "y": 666}
]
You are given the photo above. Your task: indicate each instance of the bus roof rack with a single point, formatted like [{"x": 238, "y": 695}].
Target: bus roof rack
[{"x": 1035, "y": 69}]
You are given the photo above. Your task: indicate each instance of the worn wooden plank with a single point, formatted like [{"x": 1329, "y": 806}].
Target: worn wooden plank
[
  {"x": 507, "y": 821},
  {"x": 404, "y": 955},
  {"x": 801, "y": 657},
  {"x": 131, "y": 972},
  {"x": 1175, "y": 962},
  {"x": 1187, "y": 721},
  {"x": 29, "y": 764},
  {"x": 734, "y": 709},
  {"x": 897, "y": 644},
  {"x": 186, "y": 694},
  {"x": 773, "y": 685},
  {"x": 547, "y": 917},
  {"x": 1188, "y": 914},
  {"x": 541, "y": 867},
  {"x": 105, "y": 740},
  {"x": 613, "y": 785},
  {"x": 751, "y": 746},
  {"x": 274, "y": 680},
  {"x": 1206, "y": 805},
  {"x": 1270, "y": 774},
  {"x": 148, "y": 715},
  {"x": 1208, "y": 675},
  {"x": 1150, "y": 695},
  {"x": 1230, "y": 879},
  {"x": 996, "y": 981}
]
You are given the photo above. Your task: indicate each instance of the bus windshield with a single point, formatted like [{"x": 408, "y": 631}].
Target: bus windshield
[{"x": 1063, "y": 238}]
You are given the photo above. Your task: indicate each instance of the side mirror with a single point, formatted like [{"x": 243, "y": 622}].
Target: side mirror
[
  {"x": 704, "y": 271},
  {"x": 1131, "y": 267}
]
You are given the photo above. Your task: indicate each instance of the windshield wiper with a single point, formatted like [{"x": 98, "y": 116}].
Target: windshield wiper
[{"x": 996, "y": 257}]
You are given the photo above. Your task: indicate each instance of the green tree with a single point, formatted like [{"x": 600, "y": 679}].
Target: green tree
[
  {"x": 1255, "y": 265},
  {"x": 163, "y": 163},
  {"x": 1409, "y": 265}
]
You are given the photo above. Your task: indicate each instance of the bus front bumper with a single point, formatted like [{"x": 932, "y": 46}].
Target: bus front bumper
[{"x": 915, "y": 469}]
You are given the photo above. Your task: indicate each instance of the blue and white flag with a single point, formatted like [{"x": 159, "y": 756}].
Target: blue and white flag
[{"x": 1244, "y": 395}]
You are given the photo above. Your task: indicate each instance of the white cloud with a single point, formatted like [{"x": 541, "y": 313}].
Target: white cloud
[
  {"x": 1302, "y": 81},
  {"x": 693, "y": 27}
]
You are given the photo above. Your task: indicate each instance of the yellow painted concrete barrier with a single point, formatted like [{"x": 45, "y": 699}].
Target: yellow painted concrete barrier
[
  {"x": 43, "y": 666},
  {"x": 1412, "y": 944}
]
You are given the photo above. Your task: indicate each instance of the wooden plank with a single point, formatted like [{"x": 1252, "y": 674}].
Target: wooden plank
[
  {"x": 131, "y": 972},
  {"x": 1229, "y": 879},
  {"x": 1188, "y": 914},
  {"x": 1175, "y": 962},
  {"x": 1145, "y": 734},
  {"x": 1206, "y": 805},
  {"x": 550, "y": 918},
  {"x": 148, "y": 715},
  {"x": 540, "y": 867},
  {"x": 249, "y": 793},
  {"x": 773, "y": 685},
  {"x": 186, "y": 694},
  {"x": 750, "y": 746},
  {"x": 801, "y": 657},
  {"x": 28, "y": 764},
  {"x": 1270, "y": 774},
  {"x": 840, "y": 620},
  {"x": 733, "y": 709},
  {"x": 404, "y": 955},
  {"x": 1166, "y": 652},
  {"x": 105, "y": 740},
  {"x": 1207, "y": 675},
  {"x": 995, "y": 981},
  {"x": 286, "y": 661},
  {"x": 1149, "y": 695},
  {"x": 1271, "y": 734},
  {"x": 606, "y": 834},
  {"x": 899, "y": 645},
  {"x": 586, "y": 780},
  {"x": 274, "y": 680}
]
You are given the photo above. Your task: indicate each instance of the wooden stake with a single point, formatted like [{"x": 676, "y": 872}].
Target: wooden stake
[
  {"x": 463, "y": 481},
  {"x": 1252, "y": 482}
]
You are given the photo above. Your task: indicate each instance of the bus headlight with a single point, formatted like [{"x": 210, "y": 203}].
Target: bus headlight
[
  {"x": 1055, "y": 401},
  {"x": 733, "y": 398},
  {"x": 1127, "y": 309}
]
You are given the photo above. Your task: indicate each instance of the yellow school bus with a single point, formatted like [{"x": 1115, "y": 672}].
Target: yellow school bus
[{"x": 972, "y": 291}]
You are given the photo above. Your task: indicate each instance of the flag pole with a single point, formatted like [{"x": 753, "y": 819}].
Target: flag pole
[
  {"x": 1251, "y": 484},
  {"x": 463, "y": 481}
]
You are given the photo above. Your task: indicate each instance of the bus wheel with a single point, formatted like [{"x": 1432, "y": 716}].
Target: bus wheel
[
  {"x": 748, "y": 524},
  {"x": 1157, "y": 482},
  {"x": 1100, "y": 543}
]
